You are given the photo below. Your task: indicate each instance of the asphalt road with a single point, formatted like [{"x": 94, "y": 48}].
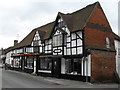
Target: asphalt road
[
  {"x": 14, "y": 79},
  {"x": 11, "y": 79}
]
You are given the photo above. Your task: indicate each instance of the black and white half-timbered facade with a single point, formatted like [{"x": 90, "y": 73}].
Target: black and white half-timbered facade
[{"x": 74, "y": 46}]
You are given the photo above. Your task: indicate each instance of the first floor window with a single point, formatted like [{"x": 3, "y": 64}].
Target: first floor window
[
  {"x": 36, "y": 49},
  {"x": 57, "y": 40}
]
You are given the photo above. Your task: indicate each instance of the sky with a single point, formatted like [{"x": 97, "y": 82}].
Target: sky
[{"x": 20, "y": 17}]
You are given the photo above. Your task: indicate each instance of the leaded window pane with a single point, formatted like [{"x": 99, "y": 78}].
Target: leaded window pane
[
  {"x": 73, "y": 36},
  {"x": 74, "y": 43},
  {"x": 79, "y": 42},
  {"x": 73, "y": 50},
  {"x": 79, "y": 50},
  {"x": 68, "y": 51}
]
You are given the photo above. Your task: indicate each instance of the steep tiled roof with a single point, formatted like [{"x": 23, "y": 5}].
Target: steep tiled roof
[
  {"x": 77, "y": 20},
  {"x": 116, "y": 36},
  {"x": 27, "y": 40},
  {"x": 46, "y": 30},
  {"x": 7, "y": 50}
]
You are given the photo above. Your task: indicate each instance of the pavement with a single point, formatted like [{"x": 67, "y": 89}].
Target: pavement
[{"x": 15, "y": 79}]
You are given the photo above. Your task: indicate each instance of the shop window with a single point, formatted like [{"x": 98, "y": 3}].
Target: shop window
[
  {"x": 30, "y": 62},
  {"x": 45, "y": 64},
  {"x": 73, "y": 66}
]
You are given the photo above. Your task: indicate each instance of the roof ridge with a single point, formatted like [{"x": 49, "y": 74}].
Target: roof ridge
[
  {"x": 85, "y": 7},
  {"x": 45, "y": 25}
]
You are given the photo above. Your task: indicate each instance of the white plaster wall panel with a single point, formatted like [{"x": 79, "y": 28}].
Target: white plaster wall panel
[{"x": 63, "y": 66}]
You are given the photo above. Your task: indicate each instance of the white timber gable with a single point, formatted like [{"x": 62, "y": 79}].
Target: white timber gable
[
  {"x": 36, "y": 43},
  {"x": 65, "y": 42},
  {"x": 59, "y": 37}
]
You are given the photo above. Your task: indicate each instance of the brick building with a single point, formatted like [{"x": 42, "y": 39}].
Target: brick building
[{"x": 78, "y": 45}]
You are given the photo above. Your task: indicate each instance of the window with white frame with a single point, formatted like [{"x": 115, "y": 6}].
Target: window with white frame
[
  {"x": 48, "y": 46},
  {"x": 74, "y": 43},
  {"x": 57, "y": 39},
  {"x": 61, "y": 23},
  {"x": 37, "y": 44},
  {"x": 36, "y": 40},
  {"x": 29, "y": 49},
  {"x": 107, "y": 42}
]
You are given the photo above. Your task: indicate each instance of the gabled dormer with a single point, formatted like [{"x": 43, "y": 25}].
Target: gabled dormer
[
  {"x": 65, "y": 41},
  {"x": 59, "y": 35},
  {"x": 36, "y": 43}
]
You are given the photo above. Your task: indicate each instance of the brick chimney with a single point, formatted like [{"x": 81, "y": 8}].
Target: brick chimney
[{"x": 15, "y": 42}]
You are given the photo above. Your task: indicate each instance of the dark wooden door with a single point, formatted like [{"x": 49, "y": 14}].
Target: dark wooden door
[{"x": 56, "y": 67}]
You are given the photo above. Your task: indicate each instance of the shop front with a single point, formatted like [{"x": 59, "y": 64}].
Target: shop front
[{"x": 66, "y": 67}]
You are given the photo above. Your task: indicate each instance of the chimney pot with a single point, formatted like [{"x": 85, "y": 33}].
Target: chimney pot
[{"x": 15, "y": 42}]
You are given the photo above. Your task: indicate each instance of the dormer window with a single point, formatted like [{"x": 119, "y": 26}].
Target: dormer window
[
  {"x": 107, "y": 42},
  {"x": 61, "y": 23},
  {"x": 36, "y": 40}
]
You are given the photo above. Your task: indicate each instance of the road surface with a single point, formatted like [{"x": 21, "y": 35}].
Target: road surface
[{"x": 15, "y": 79}]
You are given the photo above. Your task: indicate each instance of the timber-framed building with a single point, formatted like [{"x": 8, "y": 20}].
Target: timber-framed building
[{"x": 78, "y": 45}]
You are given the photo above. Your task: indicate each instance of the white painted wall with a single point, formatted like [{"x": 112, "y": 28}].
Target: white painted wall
[
  {"x": 9, "y": 58},
  {"x": 34, "y": 66},
  {"x": 63, "y": 66},
  {"x": 117, "y": 47},
  {"x": 36, "y": 37},
  {"x": 86, "y": 66}
]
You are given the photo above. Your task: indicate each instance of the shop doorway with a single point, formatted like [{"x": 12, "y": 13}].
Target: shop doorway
[{"x": 56, "y": 67}]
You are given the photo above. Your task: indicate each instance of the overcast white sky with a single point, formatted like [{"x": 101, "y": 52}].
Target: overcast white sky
[{"x": 19, "y": 17}]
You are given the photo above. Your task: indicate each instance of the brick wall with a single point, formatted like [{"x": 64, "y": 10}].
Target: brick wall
[
  {"x": 97, "y": 29},
  {"x": 103, "y": 62},
  {"x": 102, "y": 66}
]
